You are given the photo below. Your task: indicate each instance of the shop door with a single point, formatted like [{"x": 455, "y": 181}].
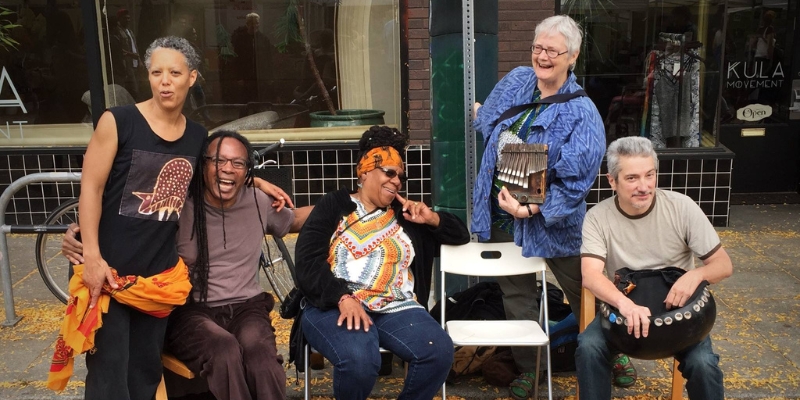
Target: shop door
[{"x": 760, "y": 110}]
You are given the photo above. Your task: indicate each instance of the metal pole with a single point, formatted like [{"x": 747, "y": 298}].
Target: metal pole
[
  {"x": 5, "y": 266},
  {"x": 468, "y": 35}
]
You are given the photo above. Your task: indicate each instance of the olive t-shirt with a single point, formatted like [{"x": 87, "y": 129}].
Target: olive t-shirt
[{"x": 670, "y": 233}]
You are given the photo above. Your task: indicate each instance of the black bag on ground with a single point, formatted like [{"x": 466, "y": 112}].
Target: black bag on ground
[
  {"x": 557, "y": 310},
  {"x": 563, "y": 344},
  {"x": 482, "y": 301}
]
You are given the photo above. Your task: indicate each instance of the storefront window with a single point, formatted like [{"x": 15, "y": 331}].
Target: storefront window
[
  {"x": 257, "y": 73},
  {"x": 757, "y": 84},
  {"x": 652, "y": 68},
  {"x": 43, "y": 78}
]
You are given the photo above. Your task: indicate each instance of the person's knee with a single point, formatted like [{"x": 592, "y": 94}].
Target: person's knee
[
  {"x": 591, "y": 344},
  {"x": 700, "y": 363},
  {"x": 436, "y": 351},
  {"x": 224, "y": 349},
  {"x": 359, "y": 362}
]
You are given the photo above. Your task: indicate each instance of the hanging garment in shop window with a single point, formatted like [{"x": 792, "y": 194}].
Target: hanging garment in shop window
[{"x": 673, "y": 96}]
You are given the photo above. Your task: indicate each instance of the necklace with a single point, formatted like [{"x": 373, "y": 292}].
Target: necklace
[{"x": 348, "y": 226}]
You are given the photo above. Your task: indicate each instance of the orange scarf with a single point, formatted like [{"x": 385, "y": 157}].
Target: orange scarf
[
  {"x": 378, "y": 157},
  {"x": 156, "y": 296}
]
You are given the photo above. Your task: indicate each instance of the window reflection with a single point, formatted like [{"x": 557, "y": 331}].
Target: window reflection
[
  {"x": 44, "y": 74},
  {"x": 650, "y": 69},
  {"x": 757, "y": 66},
  {"x": 671, "y": 71},
  {"x": 260, "y": 70}
]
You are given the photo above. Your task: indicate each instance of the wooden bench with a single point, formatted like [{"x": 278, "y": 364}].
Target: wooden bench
[{"x": 173, "y": 364}]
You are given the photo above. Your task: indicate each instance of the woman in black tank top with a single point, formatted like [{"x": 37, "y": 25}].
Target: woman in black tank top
[{"x": 136, "y": 173}]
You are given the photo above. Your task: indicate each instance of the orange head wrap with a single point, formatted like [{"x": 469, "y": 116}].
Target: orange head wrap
[{"x": 384, "y": 156}]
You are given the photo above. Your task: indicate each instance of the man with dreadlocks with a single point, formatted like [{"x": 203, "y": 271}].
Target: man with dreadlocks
[{"x": 224, "y": 333}]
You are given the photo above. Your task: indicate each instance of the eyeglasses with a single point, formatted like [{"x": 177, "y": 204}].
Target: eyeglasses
[
  {"x": 552, "y": 53},
  {"x": 237, "y": 163},
  {"x": 390, "y": 173}
]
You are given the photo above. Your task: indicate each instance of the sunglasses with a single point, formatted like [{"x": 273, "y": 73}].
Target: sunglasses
[{"x": 390, "y": 173}]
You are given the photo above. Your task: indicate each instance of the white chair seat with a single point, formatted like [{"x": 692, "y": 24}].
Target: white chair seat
[
  {"x": 498, "y": 333},
  {"x": 496, "y": 259}
]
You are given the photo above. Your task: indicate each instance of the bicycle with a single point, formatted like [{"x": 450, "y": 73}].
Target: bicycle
[
  {"x": 278, "y": 270},
  {"x": 55, "y": 270}
]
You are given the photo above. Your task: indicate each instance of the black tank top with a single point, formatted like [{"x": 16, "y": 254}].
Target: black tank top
[{"x": 145, "y": 193}]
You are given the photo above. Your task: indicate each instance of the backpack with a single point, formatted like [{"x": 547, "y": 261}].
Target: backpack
[
  {"x": 482, "y": 301},
  {"x": 563, "y": 344}
]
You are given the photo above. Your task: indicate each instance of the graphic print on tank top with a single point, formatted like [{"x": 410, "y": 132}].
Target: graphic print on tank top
[{"x": 156, "y": 193}]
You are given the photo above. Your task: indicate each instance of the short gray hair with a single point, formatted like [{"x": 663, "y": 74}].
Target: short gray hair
[
  {"x": 175, "y": 43},
  {"x": 631, "y": 146},
  {"x": 566, "y": 26}
]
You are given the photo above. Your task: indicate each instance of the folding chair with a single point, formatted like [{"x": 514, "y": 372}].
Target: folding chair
[
  {"x": 587, "y": 315},
  {"x": 497, "y": 259}
]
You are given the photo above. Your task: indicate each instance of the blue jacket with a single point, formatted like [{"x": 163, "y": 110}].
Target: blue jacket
[{"x": 575, "y": 138}]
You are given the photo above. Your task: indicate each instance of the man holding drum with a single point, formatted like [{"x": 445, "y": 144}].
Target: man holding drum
[{"x": 644, "y": 228}]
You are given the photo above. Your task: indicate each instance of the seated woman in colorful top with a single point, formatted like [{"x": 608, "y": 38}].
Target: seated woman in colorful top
[{"x": 364, "y": 262}]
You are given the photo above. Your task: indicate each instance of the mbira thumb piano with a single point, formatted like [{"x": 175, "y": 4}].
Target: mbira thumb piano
[{"x": 523, "y": 169}]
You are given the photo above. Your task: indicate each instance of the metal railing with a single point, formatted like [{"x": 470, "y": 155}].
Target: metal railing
[{"x": 5, "y": 267}]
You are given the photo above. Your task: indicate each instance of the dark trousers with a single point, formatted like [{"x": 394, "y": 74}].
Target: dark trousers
[
  {"x": 127, "y": 363},
  {"x": 519, "y": 296},
  {"x": 231, "y": 346}
]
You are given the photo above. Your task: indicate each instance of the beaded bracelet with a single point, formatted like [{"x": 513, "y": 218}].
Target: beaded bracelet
[{"x": 345, "y": 297}]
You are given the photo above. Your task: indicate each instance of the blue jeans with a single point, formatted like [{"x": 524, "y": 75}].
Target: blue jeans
[
  {"x": 698, "y": 365},
  {"x": 413, "y": 335}
]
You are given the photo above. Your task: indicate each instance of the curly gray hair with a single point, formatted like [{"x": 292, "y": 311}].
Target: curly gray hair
[
  {"x": 175, "y": 43},
  {"x": 631, "y": 146}
]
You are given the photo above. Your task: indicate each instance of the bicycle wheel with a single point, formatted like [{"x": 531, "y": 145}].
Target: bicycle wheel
[
  {"x": 278, "y": 266},
  {"x": 54, "y": 268}
]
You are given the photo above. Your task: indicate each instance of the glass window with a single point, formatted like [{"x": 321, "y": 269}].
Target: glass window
[
  {"x": 267, "y": 64},
  {"x": 757, "y": 70},
  {"x": 43, "y": 76},
  {"x": 651, "y": 67}
]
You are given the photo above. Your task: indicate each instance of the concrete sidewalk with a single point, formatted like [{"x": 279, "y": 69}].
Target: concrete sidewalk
[{"x": 756, "y": 333}]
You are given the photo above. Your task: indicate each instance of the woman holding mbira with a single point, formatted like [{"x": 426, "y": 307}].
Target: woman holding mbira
[{"x": 541, "y": 104}]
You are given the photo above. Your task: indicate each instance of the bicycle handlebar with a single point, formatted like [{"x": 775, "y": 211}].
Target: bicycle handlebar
[{"x": 260, "y": 153}]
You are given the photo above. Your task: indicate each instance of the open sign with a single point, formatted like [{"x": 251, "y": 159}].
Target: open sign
[{"x": 754, "y": 112}]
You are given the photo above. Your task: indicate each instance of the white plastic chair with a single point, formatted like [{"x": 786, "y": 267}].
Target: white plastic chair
[{"x": 497, "y": 259}]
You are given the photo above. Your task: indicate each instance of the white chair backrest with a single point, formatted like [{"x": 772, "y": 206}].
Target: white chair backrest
[{"x": 488, "y": 259}]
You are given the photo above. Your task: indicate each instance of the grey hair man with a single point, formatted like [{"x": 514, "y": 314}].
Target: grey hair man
[{"x": 645, "y": 228}]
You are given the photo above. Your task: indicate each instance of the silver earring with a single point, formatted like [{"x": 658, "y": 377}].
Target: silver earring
[{"x": 360, "y": 185}]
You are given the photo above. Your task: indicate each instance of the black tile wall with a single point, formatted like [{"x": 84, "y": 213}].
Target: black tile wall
[{"x": 316, "y": 172}]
